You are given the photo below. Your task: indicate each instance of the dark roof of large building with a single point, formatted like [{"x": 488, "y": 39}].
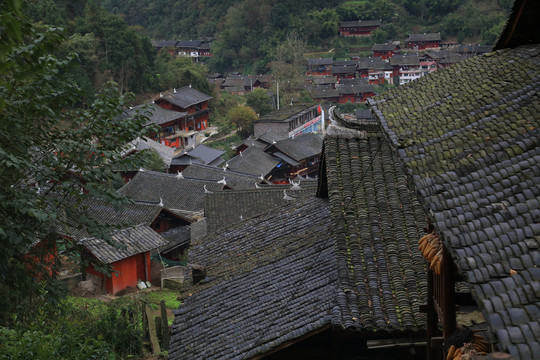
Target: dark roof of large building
[
  {"x": 270, "y": 136},
  {"x": 300, "y": 147},
  {"x": 360, "y": 23},
  {"x": 374, "y": 64},
  {"x": 377, "y": 221},
  {"x": 234, "y": 180},
  {"x": 323, "y": 92},
  {"x": 184, "y": 97},
  {"x": 355, "y": 89},
  {"x": 405, "y": 60},
  {"x": 273, "y": 281},
  {"x": 140, "y": 144},
  {"x": 249, "y": 203},
  {"x": 320, "y": 61},
  {"x": 469, "y": 135},
  {"x": 286, "y": 113},
  {"x": 424, "y": 37},
  {"x": 103, "y": 212},
  {"x": 200, "y": 154},
  {"x": 182, "y": 196},
  {"x": 343, "y": 69},
  {"x": 384, "y": 47},
  {"x": 127, "y": 242},
  {"x": 156, "y": 114},
  {"x": 253, "y": 160}
]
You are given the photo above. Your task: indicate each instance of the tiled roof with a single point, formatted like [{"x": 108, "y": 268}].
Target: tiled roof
[
  {"x": 129, "y": 242},
  {"x": 185, "y": 97},
  {"x": 286, "y": 113},
  {"x": 249, "y": 203},
  {"x": 156, "y": 114},
  {"x": 345, "y": 62},
  {"x": 270, "y": 136},
  {"x": 384, "y": 47},
  {"x": 469, "y": 136},
  {"x": 320, "y": 92},
  {"x": 405, "y": 60},
  {"x": 235, "y": 180},
  {"x": 273, "y": 279},
  {"x": 355, "y": 89},
  {"x": 377, "y": 221},
  {"x": 164, "y": 43},
  {"x": 176, "y": 194},
  {"x": 127, "y": 215},
  {"x": 374, "y": 63},
  {"x": 343, "y": 69},
  {"x": 360, "y": 23},
  {"x": 424, "y": 37},
  {"x": 321, "y": 61},
  {"x": 165, "y": 152},
  {"x": 355, "y": 81},
  {"x": 253, "y": 161},
  {"x": 300, "y": 147},
  {"x": 203, "y": 154}
]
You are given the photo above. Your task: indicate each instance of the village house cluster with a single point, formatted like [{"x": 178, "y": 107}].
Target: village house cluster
[{"x": 409, "y": 231}]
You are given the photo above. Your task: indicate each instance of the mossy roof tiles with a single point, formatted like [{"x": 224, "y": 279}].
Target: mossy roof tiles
[
  {"x": 253, "y": 161},
  {"x": 377, "y": 221},
  {"x": 127, "y": 242},
  {"x": 249, "y": 203},
  {"x": 235, "y": 180},
  {"x": 272, "y": 280},
  {"x": 469, "y": 137}
]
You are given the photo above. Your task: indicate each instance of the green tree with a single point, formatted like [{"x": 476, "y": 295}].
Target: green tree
[
  {"x": 259, "y": 101},
  {"x": 242, "y": 116},
  {"x": 52, "y": 155},
  {"x": 176, "y": 72}
]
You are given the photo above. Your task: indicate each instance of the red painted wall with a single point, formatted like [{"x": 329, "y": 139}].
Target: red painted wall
[{"x": 124, "y": 273}]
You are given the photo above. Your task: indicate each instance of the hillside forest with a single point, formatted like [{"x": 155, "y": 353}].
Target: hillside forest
[{"x": 113, "y": 37}]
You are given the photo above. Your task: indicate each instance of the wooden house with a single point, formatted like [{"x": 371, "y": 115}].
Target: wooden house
[
  {"x": 200, "y": 154},
  {"x": 431, "y": 41},
  {"x": 320, "y": 67},
  {"x": 355, "y": 93},
  {"x": 344, "y": 72},
  {"x": 476, "y": 172},
  {"x": 385, "y": 51},
  {"x": 193, "y": 104},
  {"x": 290, "y": 120},
  {"x": 406, "y": 68},
  {"x": 40, "y": 259},
  {"x": 322, "y": 283},
  {"x": 358, "y": 28},
  {"x": 300, "y": 155},
  {"x": 128, "y": 257}
]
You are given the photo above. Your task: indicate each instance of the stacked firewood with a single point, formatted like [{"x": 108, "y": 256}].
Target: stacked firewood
[{"x": 431, "y": 248}]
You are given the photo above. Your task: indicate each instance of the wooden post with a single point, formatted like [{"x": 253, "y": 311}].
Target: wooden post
[
  {"x": 431, "y": 317},
  {"x": 144, "y": 324},
  {"x": 152, "y": 330},
  {"x": 165, "y": 326},
  {"x": 449, "y": 295}
]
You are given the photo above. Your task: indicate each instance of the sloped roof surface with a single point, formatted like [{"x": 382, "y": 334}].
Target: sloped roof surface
[
  {"x": 156, "y": 114},
  {"x": 165, "y": 152},
  {"x": 355, "y": 89},
  {"x": 129, "y": 214},
  {"x": 185, "y": 194},
  {"x": 469, "y": 136},
  {"x": 286, "y": 113},
  {"x": 235, "y": 180},
  {"x": 270, "y": 136},
  {"x": 374, "y": 63},
  {"x": 300, "y": 147},
  {"x": 206, "y": 154},
  {"x": 343, "y": 69},
  {"x": 405, "y": 60},
  {"x": 130, "y": 241},
  {"x": 377, "y": 221},
  {"x": 185, "y": 97},
  {"x": 384, "y": 47},
  {"x": 360, "y": 23},
  {"x": 280, "y": 272},
  {"x": 424, "y": 37},
  {"x": 320, "y": 61},
  {"x": 253, "y": 161},
  {"x": 249, "y": 203}
]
